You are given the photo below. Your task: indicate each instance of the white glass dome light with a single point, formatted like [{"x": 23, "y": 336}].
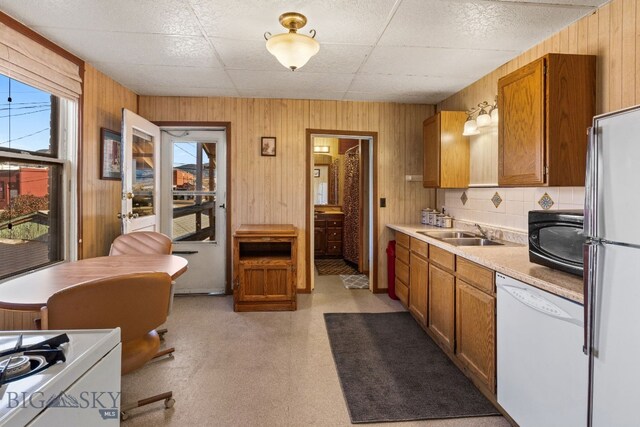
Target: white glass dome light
[
  {"x": 484, "y": 119},
  {"x": 291, "y": 49},
  {"x": 470, "y": 127}
]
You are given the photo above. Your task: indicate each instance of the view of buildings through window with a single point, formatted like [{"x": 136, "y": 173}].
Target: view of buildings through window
[
  {"x": 194, "y": 191},
  {"x": 30, "y": 176}
]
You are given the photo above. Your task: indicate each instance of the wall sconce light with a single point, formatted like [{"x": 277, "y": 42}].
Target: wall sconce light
[
  {"x": 487, "y": 116},
  {"x": 321, "y": 149},
  {"x": 470, "y": 126}
]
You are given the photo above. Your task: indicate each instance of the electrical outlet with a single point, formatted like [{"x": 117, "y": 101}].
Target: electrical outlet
[{"x": 383, "y": 202}]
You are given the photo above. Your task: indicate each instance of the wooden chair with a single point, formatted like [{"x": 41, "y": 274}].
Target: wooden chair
[
  {"x": 136, "y": 302},
  {"x": 144, "y": 243}
]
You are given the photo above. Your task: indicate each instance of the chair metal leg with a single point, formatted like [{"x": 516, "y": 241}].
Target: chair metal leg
[
  {"x": 161, "y": 332},
  {"x": 166, "y": 352},
  {"x": 169, "y": 401}
]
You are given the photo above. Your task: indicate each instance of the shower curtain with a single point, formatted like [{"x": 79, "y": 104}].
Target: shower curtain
[{"x": 351, "y": 206}]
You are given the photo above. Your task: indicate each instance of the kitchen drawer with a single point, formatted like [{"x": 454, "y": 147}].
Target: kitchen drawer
[
  {"x": 402, "y": 292},
  {"x": 476, "y": 275},
  {"x": 402, "y": 254},
  {"x": 319, "y": 223},
  {"x": 334, "y": 223},
  {"x": 419, "y": 247},
  {"x": 402, "y": 239},
  {"x": 402, "y": 271},
  {"x": 334, "y": 248},
  {"x": 334, "y": 234},
  {"x": 444, "y": 259}
]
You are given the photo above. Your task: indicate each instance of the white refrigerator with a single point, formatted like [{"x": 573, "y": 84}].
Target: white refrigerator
[{"x": 612, "y": 269}]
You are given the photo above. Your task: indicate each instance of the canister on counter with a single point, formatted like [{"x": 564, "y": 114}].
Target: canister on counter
[
  {"x": 432, "y": 217},
  {"x": 424, "y": 219},
  {"x": 446, "y": 221},
  {"x": 439, "y": 220}
]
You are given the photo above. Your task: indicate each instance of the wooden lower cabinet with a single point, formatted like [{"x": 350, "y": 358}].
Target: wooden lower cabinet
[
  {"x": 441, "y": 299},
  {"x": 402, "y": 292},
  {"x": 476, "y": 332},
  {"x": 418, "y": 288}
]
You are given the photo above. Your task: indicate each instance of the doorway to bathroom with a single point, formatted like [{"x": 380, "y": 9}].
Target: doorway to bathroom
[{"x": 341, "y": 187}]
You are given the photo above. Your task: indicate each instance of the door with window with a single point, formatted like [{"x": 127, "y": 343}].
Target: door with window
[
  {"x": 140, "y": 173},
  {"x": 194, "y": 214}
]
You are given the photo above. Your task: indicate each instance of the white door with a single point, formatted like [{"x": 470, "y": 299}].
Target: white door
[
  {"x": 194, "y": 212},
  {"x": 140, "y": 173}
]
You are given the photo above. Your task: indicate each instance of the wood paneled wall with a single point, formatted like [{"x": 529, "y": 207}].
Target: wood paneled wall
[
  {"x": 103, "y": 103},
  {"x": 272, "y": 189},
  {"x": 611, "y": 33}
]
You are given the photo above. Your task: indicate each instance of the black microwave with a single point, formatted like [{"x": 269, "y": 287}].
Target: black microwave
[{"x": 556, "y": 239}]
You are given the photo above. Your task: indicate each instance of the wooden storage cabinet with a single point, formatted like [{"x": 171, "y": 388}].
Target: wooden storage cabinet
[
  {"x": 441, "y": 318},
  {"x": 327, "y": 235},
  {"x": 265, "y": 265},
  {"x": 545, "y": 110},
  {"x": 403, "y": 269},
  {"x": 418, "y": 281},
  {"x": 476, "y": 332},
  {"x": 446, "y": 151}
]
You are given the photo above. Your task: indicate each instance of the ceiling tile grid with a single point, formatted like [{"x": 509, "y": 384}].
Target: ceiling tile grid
[{"x": 417, "y": 51}]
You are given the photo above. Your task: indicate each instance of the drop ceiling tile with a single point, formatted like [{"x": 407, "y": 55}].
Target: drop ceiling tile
[
  {"x": 388, "y": 97},
  {"x": 593, "y": 3},
  {"x": 154, "y": 75},
  {"x": 336, "y": 21},
  {"x": 442, "y": 62},
  {"x": 289, "y": 94},
  {"x": 132, "y": 48},
  {"x": 146, "y": 16},
  {"x": 431, "y": 88},
  {"x": 155, "y": 90},
  {"x": 248, "y": 80},
  {"x": 253, "y": 55},
  {"x": 477, "y": 24}
]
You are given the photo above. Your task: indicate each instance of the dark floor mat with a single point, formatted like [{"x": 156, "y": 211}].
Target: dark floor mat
[
  {"x": 334, "y": 267},
  {"x": 391, "y": 370}
]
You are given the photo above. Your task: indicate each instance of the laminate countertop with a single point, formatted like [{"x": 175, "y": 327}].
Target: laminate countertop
[{"x": 512, "y": 261}]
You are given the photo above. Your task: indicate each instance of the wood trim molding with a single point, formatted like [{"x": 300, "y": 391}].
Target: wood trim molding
[
  {"x": 229, "y": 201},
  {"x": 373, "y": 264}
]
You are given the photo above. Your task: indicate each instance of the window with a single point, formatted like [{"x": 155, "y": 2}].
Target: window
[
  {"x": 34, "y": 162},
  {"x": 194, "y": 191}
]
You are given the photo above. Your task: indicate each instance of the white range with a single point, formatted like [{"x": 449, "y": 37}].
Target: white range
[{"x": 74, "y": 383}]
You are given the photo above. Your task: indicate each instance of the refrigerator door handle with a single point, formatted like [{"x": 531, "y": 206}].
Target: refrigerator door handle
[
  {"x": 591, "y": 185},
  {"x": 589, "y": 279}
]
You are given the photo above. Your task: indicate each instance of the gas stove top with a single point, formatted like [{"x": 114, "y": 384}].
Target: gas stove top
[
  {"x": 44, "y": 364},
  {"x": 21, "y": 361}
]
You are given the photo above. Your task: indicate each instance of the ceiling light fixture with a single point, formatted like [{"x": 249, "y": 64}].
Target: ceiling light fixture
[{"x": 291, "y": 49}]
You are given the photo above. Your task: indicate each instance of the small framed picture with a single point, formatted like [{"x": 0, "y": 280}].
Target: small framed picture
[
  {"x": 268, "y": 146},
  {"x": 316, "y": 173},
  {"x": 110, "y": 161}
]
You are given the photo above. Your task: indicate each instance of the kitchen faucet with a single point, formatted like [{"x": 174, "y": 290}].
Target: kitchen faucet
[{"x": 483, "y": 233}]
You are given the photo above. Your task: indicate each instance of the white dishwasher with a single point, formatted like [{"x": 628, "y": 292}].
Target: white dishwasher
[{"x": 542, "y": 372}]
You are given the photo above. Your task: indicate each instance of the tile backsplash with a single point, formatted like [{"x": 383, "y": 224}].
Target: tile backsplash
[{"x": 514, "y": 203}]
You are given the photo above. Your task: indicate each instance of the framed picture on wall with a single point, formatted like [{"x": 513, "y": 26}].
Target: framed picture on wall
[
  {"x": 316, "y": 173},
  {"x": 268, "y": 146},
  {"x": 110, "y": 161}
]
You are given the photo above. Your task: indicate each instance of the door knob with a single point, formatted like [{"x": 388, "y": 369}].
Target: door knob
[
  {"x": 119, "y": 215},
  {"x": 129, "y": 195},
  {"x": 132, "y": 215}
]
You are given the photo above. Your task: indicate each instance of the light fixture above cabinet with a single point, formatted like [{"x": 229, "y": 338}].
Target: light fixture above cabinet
[
  {"x": 291, "y": 49},
  {"x": 487, "y": 115}
]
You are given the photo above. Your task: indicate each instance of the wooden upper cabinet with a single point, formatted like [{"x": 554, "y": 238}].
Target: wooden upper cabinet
[
  {"x": 545, "y": 109},
  {"x": 446, "y": 151}
]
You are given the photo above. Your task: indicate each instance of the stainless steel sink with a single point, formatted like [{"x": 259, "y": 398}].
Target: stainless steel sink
[
  {"x": 471, "y": 241},
  {"x": 447, "y": 234}
]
